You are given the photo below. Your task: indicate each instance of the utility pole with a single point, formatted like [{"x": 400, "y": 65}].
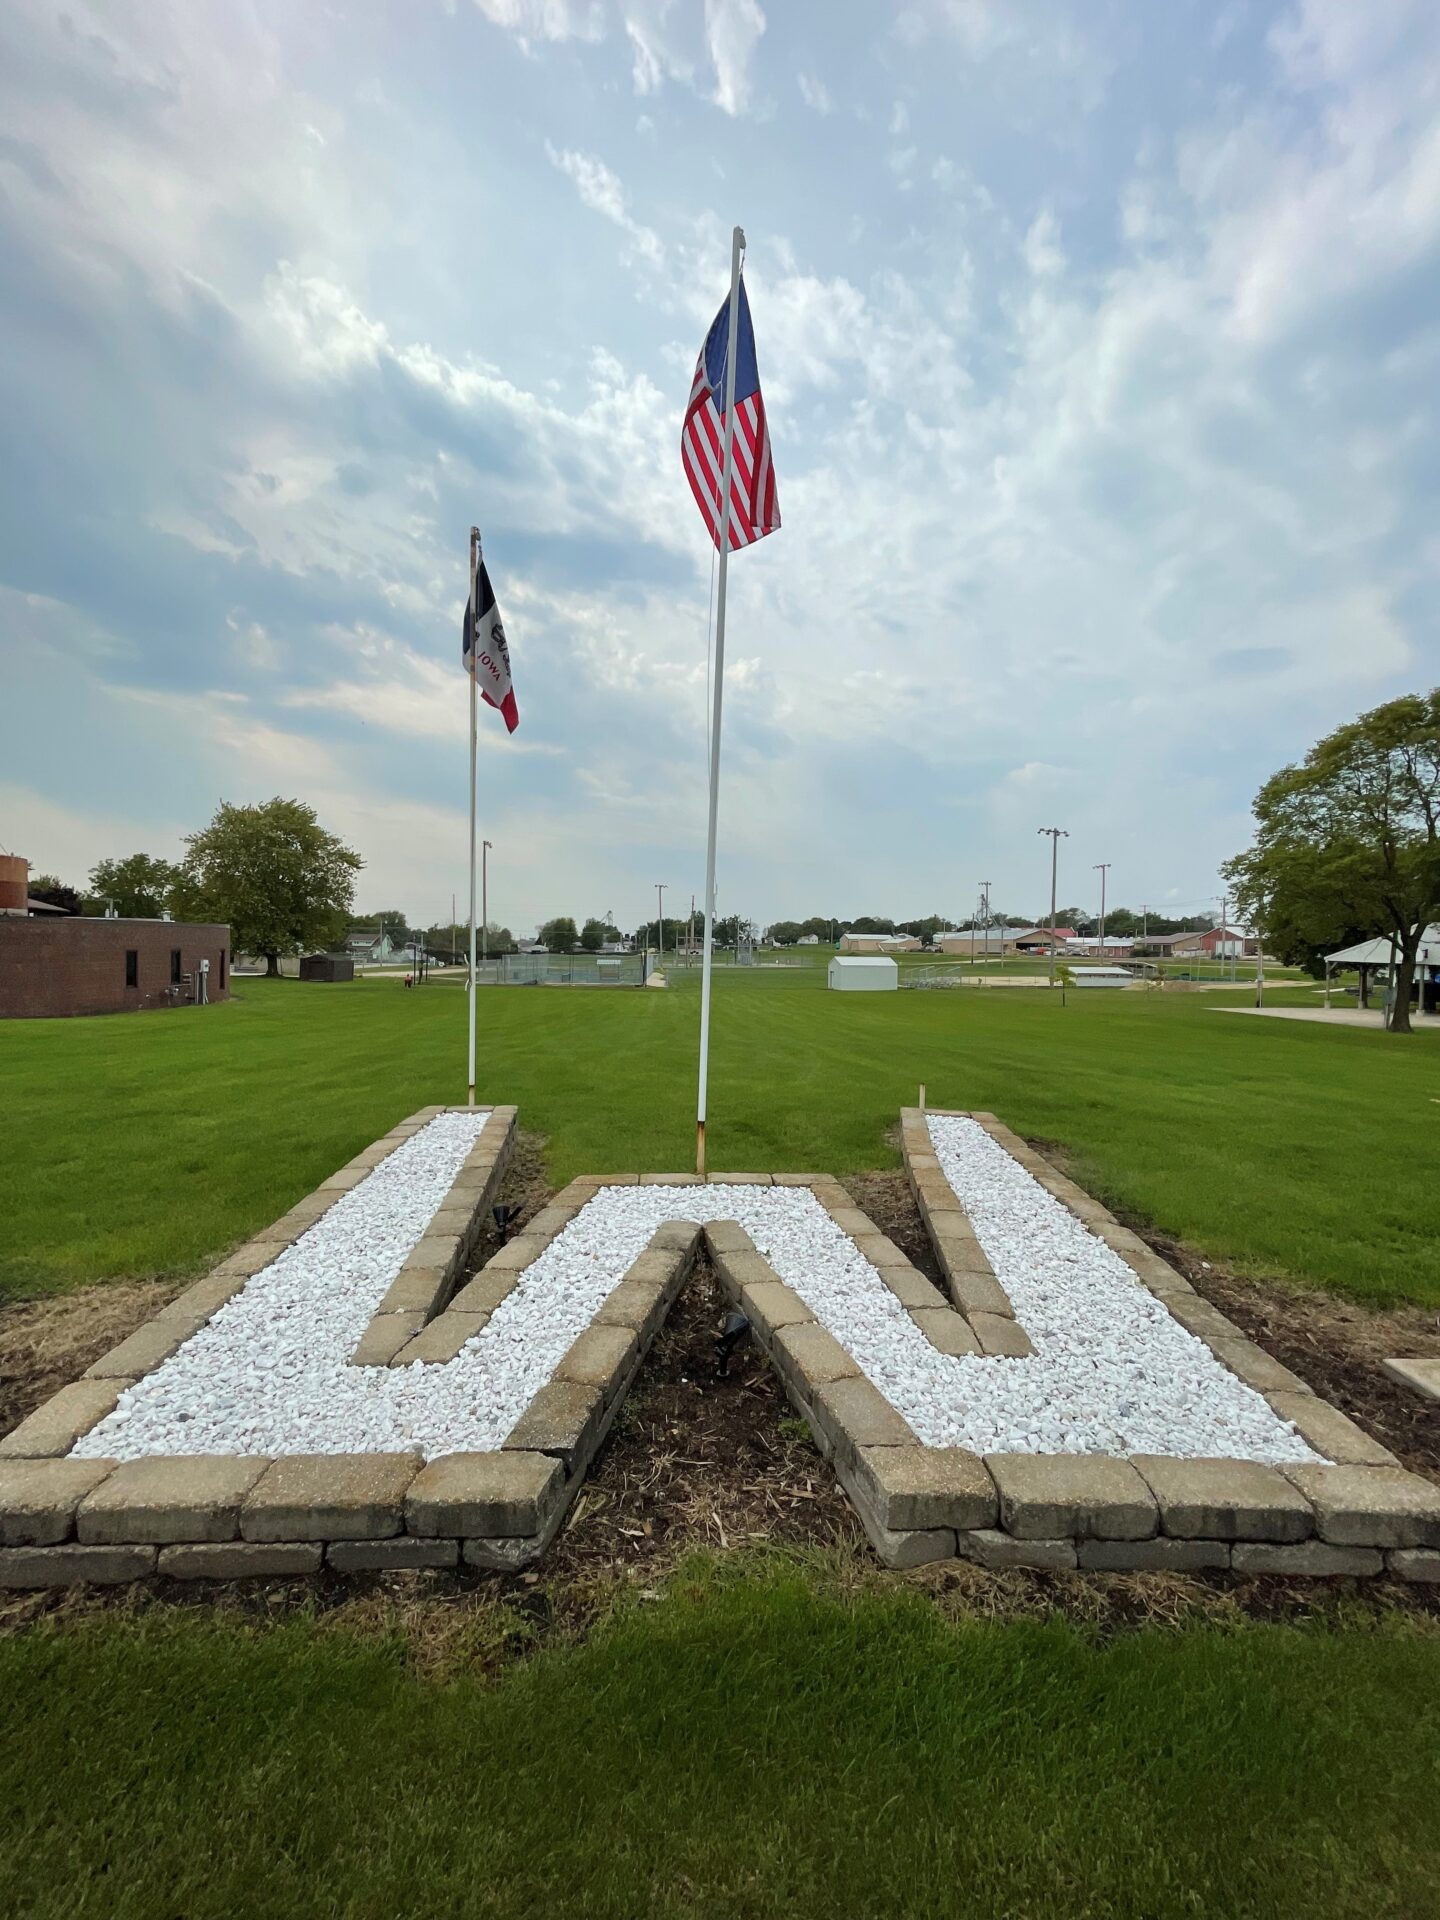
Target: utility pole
[
  {"x": 984, "y": 921},
  {"x": 452, "y": 929},
  {"x": 1102, "y": 867},
  {"x": 484, "y": 901},
  {"x": 1224, "y": 910},
  {"x": 660, "y": 886},
  {"x": 1057, "y": 834}
]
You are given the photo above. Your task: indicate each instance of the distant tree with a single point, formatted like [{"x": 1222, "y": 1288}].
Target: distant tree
[
  {"x": 55, "y": 893},
  {"x": 559, "y": 935},
  {"x": 867, "y": 923},
  {"x": 139, "y": 887},
  {"x": 390, "y": 920},
  {"x": 594, "y": 934},
  {"x": 283, "y": 883},
  {"x": 784, "y": 933},
  {"x": 1351, "y": 837}
]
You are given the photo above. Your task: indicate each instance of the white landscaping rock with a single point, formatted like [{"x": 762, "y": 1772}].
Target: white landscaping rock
[{"x": 269, "y": 1374}]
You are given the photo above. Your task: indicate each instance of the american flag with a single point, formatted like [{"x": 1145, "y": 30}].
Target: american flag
[{"x": 754, "y": 508}]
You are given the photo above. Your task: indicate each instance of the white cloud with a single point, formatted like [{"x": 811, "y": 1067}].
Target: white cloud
[
  {"x": 815, "y": 93},
  {"x": 601, "y": 191},
  {"x": 532, "y": 20},
  {"x": 732, "y": 32},
  {"x": 1043, "y": 253}
]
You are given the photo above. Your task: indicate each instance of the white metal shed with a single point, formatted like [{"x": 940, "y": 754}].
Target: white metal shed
[{"x": 864, "y": 973}]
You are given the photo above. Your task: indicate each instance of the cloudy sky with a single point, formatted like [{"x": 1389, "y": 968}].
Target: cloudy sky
[{"x": 1101, "y": 347}]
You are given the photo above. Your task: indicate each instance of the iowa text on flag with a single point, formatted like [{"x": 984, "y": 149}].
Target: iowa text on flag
[
  {"x": 485, "y": 652},
  {"x": 754, "y": 508}
]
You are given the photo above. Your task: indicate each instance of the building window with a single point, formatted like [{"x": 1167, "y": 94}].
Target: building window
[
  {"x": 222, "y": 969},
  {"x": 132, "y": 967},
  {"x": 175, "y": 966}
]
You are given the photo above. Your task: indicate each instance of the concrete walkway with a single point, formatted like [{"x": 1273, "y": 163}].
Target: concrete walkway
[{"x": 1335, "y": 1017}]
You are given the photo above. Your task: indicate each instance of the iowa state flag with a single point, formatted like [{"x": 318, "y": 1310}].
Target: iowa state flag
[{"x": 485, "y": 652}]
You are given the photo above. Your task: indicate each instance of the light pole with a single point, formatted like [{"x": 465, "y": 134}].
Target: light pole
[
  {"x": 484, "y": 902},
  {"x": 1102, "y": 867},
  {"x": 1057, "y": 834},
  {"x": 985, "y": 918},
  {"x": 660, "y": 886}
]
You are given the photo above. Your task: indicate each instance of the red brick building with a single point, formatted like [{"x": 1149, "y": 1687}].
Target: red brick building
[{"x": 64, "y": 964}]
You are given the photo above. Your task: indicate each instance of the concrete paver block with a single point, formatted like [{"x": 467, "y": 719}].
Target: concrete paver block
[
  {"x": 946, "y": 1330},
  {"x": 1316, "y": 1559},
  {"x": 770, "y": 1305},
  {"x": 385, "y": 1336},
  {"x": 484, "y": 1293},
  {"x": 1329, "y": 1431},
  {"x": 812, "y": 1355},
  {"x": 401, "y": 1555},
  {"x": 58, "y": 1423},
  {"x": 490, "y": 1495},
  {"x": 144, "y": 1349},
  {"x": 922, "y": 1487},
  {"x": 163, "y": 1499},
  {"x": 1001, "y": 1337},
  {"x": 1001, "y": 1551},
  {"x": 38, "y": 1498},
  {"x": 1413, "y": 1563},
  {"x": 1161, "y": 1555},
  {"x": 1420, "y": 1375},
  {"x": 242, "y": 1560},
  {"x": 1225, "y": 1499},
  {"x": 565, "y": 1419},
  {"x": 439, "y": 1343},
  {"x": 856, "y": 1414},
  {"x": 599, "y": 1357},
  {"x": 1044, "y": 1496},
  {"x": 1358, "y": 1506},
  {"x": 71, "y": 1566},
  {"x": 329, "y": 1496}
]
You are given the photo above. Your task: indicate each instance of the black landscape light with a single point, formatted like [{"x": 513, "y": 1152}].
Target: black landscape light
[
  {"x": 503, "y": 1216},
  {"x": 734, "y": 1328}
]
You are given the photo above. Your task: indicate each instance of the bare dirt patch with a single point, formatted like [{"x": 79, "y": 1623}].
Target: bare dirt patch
[{"x": 44, "y": 1344}]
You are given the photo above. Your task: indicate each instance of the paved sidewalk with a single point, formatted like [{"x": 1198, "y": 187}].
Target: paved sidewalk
[{"x": 1335, "y": 1017}]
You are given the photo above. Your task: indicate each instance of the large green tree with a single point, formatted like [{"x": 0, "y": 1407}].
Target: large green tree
[
  {"x": 284, "y": 884},
  {"x": 594, "y": 934},
  {"x": 1349, "y": 841},
  {"x": 50, "y": 888},
  {"x": 139, "y": 887},
  {"x": 559, "y": 935}
]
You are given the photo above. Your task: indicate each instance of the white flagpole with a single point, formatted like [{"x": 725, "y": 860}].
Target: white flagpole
[
  {"x": 474, "y": 641},
  {"x": 737, "y": 247}
]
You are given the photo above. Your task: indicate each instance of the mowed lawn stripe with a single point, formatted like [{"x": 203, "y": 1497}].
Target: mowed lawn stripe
[{"x": 803, "y": 1752}]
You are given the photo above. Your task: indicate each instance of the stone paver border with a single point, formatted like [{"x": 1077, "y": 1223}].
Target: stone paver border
[
  {"x": 64, "y": 1520},
  {"x": 423, "y": 1286},
  {"x": 1358, "y": 1512},
  {"x": 970, "y": 1278},
  {"x": 226, "y": 1517}
]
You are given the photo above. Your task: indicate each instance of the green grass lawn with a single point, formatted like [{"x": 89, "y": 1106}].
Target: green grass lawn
[
  {"x": 147, "y": 1145},
  {"x": 759, "y": 1736},
  {"x": 750, "y": 1744}
]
